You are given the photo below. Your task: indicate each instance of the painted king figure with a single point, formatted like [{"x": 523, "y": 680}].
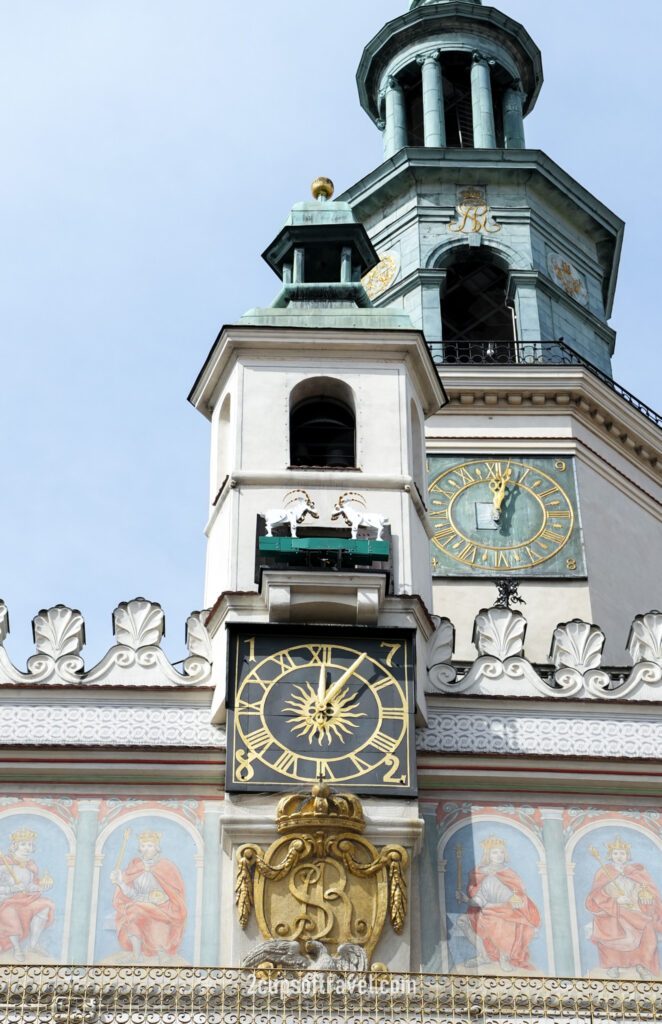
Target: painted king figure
[
  {"x": 501, "y": 920},
  {"x": 627, "y": 914},
  {"x": 24, "y": 910},
  {"x": 150, "y": 902}
]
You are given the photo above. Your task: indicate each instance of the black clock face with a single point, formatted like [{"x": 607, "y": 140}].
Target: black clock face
[{"x": 314, "y": 705}]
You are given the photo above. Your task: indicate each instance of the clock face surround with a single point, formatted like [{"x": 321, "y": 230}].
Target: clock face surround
[
  {"x": 321, "y": 703},
  {"x": 505, "y": 515}
]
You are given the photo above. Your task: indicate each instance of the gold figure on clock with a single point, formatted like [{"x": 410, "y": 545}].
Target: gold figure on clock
[
  {"x": 337, "y": 707},
  {"x": 506, "y": 515}
]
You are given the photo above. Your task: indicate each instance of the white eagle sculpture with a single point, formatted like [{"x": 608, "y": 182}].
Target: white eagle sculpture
[
  {"x": 285, "y": 954},
  {"x": 297, "y": 505}
]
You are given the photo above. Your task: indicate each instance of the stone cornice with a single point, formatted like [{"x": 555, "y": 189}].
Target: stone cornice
[
  {"x": 558, "y": 390},
  {"x": 364, "y": 346},
  {"x": 425, "y": 25},
  {"x": 420, "y": 166}
]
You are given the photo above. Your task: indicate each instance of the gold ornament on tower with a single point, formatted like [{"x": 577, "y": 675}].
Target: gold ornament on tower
[
  {"x": 322, "y": 880},
  {"x": 322, "y": 188}
]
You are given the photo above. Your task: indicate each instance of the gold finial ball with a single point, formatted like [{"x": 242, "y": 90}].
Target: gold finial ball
[{"x": 322, "y": 188}]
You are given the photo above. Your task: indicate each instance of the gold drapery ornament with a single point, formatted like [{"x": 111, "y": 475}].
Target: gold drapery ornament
[{"x": 322, "y": 880}]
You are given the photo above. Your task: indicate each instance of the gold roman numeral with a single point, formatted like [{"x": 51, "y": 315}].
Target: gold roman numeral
[
  {"x": 259, "y": 740},
  {"x": 287, "y": 763},
  {"x": 384, "y": 744},
  {"x": 469, "y": 553},
  {"x": 320, "y": 654},
  {"x": 244, "y": 707}
]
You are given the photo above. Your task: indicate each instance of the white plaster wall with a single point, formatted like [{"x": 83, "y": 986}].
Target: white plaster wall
[
  {"x": 624, "y": 555},
  {"x": 260, "y": 476}
]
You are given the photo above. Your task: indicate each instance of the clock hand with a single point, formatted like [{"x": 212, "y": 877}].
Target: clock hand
[
  {"x": 498, "y": 488},
  {"x": 321, "y": 685},
  {"x": 331, "y": 694}
]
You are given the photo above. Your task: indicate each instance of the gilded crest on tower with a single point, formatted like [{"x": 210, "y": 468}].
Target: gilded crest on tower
[
  {"x": 322, "y": 881},
  {"x": 473, "y": 213}
]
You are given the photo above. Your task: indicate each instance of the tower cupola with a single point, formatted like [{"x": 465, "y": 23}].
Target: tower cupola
[{"x": 450, "y": 73}]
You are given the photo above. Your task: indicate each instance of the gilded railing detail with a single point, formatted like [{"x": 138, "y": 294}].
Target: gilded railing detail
[{"x": 134, "y": 995}]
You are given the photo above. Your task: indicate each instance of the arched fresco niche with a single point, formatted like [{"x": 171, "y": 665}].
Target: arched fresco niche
[
  {"x": 493, "y": 900},
  {"x": 615, "y": 875},
  {"x": 36, "y": 879},
  {"x": 147, "y": 902}
]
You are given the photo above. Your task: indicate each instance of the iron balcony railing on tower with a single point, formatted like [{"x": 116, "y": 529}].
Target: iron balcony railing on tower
[{"x": 531, "y": 354}]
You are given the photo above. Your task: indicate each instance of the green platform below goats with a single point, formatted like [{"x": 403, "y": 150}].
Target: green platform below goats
[{"x": 361, "y": 552}]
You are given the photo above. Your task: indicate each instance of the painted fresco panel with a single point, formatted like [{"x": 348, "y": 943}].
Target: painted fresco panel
[
  {"x": 586, "y": 880},
  {"x": 34, "y": 882},
  {"x": 107, "y": 881},
  {"x": 146, "y": 896},
  {"x": 616, "y": 869},
  {"x": 493, "y": 900}
]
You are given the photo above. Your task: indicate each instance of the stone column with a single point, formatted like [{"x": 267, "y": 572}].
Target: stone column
[
  {"x": 395, "y": 133},
  {"x": 211, "y": 887},
  {"x": 346, "y": 263},
  {"x": 513, "y": 117},
  {"x": 299, "y": 263},
  {"x": 81, "y": 904},
  {"x": 481, "y": 102},
  {"x": 559, "y": 899},
  {"x": 433, "y": 100},
  {"x": 523, "y": 292}
]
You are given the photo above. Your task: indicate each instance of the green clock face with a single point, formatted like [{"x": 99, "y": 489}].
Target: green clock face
[
  {"x": 505, "y": 516},
  {"x": 321, "y": 704}
]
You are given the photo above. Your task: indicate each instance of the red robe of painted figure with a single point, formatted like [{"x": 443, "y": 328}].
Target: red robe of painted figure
[
  {"x": 17, "y": 911},
  {"x": 506, "y": 930},
  {"x": 626, "y": 936},
  {"x": 160, "y": 927}
]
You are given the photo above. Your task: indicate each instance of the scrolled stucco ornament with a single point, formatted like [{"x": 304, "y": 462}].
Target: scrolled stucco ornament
[{"x": 138, "y": 623}]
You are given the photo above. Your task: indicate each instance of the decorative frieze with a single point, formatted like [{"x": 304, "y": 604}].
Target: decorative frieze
[
  {"x": 540, "y": 733},
  {"x": 73, "y": 724}
]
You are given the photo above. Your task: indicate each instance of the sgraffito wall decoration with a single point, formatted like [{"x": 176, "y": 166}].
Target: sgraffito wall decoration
[
  {"x": 548, "y": 890},
  {"x": 109, "y": 881}
]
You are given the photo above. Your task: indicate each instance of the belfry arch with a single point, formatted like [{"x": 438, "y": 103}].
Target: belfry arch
[{"x": 475, "y": 306}]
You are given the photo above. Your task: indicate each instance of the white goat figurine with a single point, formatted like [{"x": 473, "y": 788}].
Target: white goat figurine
[
  {"x": 351, "y": 506},
  {"x": 295, "y": 511}
]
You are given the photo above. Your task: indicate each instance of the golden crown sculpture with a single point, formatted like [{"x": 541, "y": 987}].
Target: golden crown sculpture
[
  {"x": 323, "y": 809},
  {"x": 472, "y": 195},
  {"x": 322, "y": 879}
]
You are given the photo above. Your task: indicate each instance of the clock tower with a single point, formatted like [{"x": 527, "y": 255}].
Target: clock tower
[{"x": 542, "y": 469}]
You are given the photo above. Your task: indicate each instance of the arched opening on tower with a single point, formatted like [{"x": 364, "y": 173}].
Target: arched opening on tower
[
  {"x": 410, "y": 80},
  {"x": 474, "y": 310},
  {"x": 322, "y": 432},
  {"x": 458, "y": 110}
]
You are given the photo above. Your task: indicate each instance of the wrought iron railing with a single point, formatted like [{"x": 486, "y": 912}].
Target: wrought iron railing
[
  {"x": 535, "y": 353},
  {"x": 152, "y": 995}
]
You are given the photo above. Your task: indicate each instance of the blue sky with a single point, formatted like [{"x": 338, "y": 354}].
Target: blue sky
[{"x": 152, "y": 149}]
